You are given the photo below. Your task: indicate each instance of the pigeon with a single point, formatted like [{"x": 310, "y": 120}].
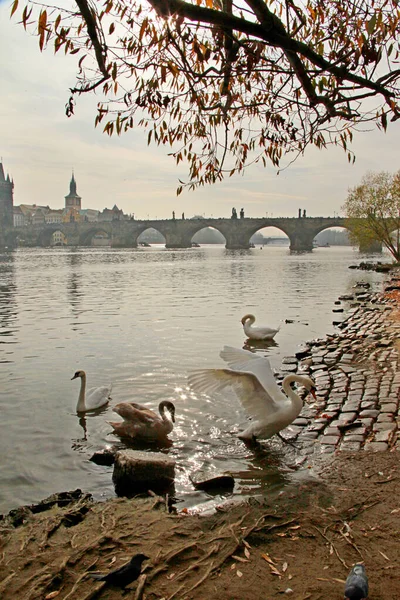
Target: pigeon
[
  {"x": 356, "y": 587},
  {"x": 124, "y": 575}
]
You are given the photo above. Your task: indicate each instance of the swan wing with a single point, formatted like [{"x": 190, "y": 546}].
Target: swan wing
[
  {"x": 267, "y": 330},
  {"x": 244, "y": 360},
  {"x": 255, "y": 399},
  {"x": 129, "y": 412},
  {"x": 238, "y": 359},
  {"x": 96, "y": 397}
]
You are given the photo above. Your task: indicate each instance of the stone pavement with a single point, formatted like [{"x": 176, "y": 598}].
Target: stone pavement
[{"x": 357, "y": 377}]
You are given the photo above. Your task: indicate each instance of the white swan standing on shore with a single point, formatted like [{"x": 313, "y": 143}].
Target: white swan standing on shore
[
  {"x": 257, "y": 333},
  {"x": 251, "y": 378},
  {"x": 93, "y": 398},
  {"x": 141, "y": 423}
]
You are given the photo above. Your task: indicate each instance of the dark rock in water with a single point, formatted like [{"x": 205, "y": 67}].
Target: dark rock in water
[
  {"x": 289, "y": 360},
  {"x": 390, "y": 288},
  {"x": 289, "y": 368},
  {"x": 104, "y": 457},
  {"x": 346, "y": 297},
  {"x": 216, "y": 484},
  {"x": 337, "y": 301},
  {"x": 337, "y": 310},
  {"x": 137, "y": 471},
  {"x": 363, "y": 284},
  {"x": 336, "y": 322},
  {"x": 302, "y": 352}
]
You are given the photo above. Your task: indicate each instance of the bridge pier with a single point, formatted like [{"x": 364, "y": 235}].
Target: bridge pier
[
  {"x": 174, "y": 238},
  {"x": 301, "y": 243},
  {"x": 236, "y": 238}
]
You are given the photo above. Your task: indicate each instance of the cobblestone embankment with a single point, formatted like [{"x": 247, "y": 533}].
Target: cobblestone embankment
[{"x": 357, "y": 376}]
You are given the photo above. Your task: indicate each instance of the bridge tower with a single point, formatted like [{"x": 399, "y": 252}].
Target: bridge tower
[
  {"x": 72, "y": 202},
  {"x": 6, "y": 199}
]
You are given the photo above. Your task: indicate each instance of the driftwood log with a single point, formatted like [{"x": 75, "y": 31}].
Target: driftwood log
[{"x": 138, "y": 471}]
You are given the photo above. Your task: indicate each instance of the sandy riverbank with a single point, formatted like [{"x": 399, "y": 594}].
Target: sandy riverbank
[{"x": 304, "y": 541}]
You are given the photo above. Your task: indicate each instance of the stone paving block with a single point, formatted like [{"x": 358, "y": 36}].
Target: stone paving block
[
  {"x": 384, "y": 426},
  {"x": 388, "y": 400},
  {"x": 328, "y": 449},
  {"x": 366, "y": 405},
  {"x": 375, "y": 446},
  {"x": 389, "y": 408},
  {"x": 367, "y": 422},
  {"x": 300, "y": 422},
  {"x": 308, "y": 435},
  {"x": 329, "y": 439},
  {"x": 385, "y": 418},
  {"x": 332, "y": 431},
  {"x": 353, "y": 437},
  {"x": 350, "y": 407},
  {"x": 350, "y": 446},
  {"x": 369, "y": 413},
  {"x": 383, "y": 436},
  {"x": 347, "y": 417}
]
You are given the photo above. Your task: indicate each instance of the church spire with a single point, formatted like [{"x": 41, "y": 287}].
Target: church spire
[{"x": 72, "y": 185}]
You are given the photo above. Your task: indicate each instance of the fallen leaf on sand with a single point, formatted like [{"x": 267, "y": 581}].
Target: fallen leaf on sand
[
  {"x": 239, "y": 558},
  {"x": 267, "y": 558}
]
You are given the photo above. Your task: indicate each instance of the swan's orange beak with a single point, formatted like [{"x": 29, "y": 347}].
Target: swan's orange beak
[{"x": 313, "y": 394}]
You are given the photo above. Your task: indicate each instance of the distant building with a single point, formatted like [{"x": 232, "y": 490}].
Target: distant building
[
  {"x": 19, "y": 218},
  {"x": 73, "y": 203},
  {"x": 6, "y": 199},
  {"x": 30, "y": 214},
  {"x": 89, "y": 214},
  {"x": 54, "y": 216},
  {"x": 113, "y": 214}
]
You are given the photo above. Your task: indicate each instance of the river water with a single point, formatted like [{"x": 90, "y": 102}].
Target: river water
[{"x": 142, "y": 319}]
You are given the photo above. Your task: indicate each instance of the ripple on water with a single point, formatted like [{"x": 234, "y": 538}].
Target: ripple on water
[{"x": 142, "y": 319}]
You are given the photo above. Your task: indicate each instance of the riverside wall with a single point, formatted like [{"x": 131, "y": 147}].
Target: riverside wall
[{"x": 357, "y": 377}]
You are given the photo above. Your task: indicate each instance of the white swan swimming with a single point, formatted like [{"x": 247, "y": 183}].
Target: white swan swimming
[
  {"x": 94, "y": 397},
  {"x": 257, "y": 333},
  {"x": 144, "y": 424},
  {"x": 251, "y": 378}
]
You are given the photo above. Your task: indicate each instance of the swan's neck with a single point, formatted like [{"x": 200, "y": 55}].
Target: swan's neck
[
  {"x": 80, "y": 407},
  {"x": 163, "y": 412},
  {"x": 248, "y": 323},
  {"x": 297, "y": 402},
  {"x": 167, "y": 420}
]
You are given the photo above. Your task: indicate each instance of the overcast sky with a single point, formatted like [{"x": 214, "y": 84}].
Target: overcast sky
[{"x": 40, "y": 146}]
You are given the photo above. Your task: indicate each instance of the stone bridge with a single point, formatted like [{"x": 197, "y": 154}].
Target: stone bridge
[{"x": 178, "y": 233}]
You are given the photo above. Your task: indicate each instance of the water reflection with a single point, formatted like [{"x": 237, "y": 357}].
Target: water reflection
[
  {"x": 259, "y": 344},
  {"x": 151, "y": 317},
  {"x": 8, "y": 305}
]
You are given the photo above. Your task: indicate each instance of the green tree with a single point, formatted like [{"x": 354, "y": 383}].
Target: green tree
[
  {"x": 373, "y": 210},
  {"x": 224, "y": 84}
]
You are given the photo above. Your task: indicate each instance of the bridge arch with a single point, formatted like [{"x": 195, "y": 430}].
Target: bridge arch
[
  {"x": 96, "y": 235},
  {"x": 270, "y": 235},
  {"x": 208, "y": 235},
  {"x": 150, "y": 235}
]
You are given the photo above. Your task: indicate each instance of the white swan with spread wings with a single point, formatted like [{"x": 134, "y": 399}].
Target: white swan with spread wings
[{"x": 251, "y": 378}]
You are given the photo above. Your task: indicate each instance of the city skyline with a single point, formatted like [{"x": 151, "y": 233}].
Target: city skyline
[{"x": 40, "y": 147}]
